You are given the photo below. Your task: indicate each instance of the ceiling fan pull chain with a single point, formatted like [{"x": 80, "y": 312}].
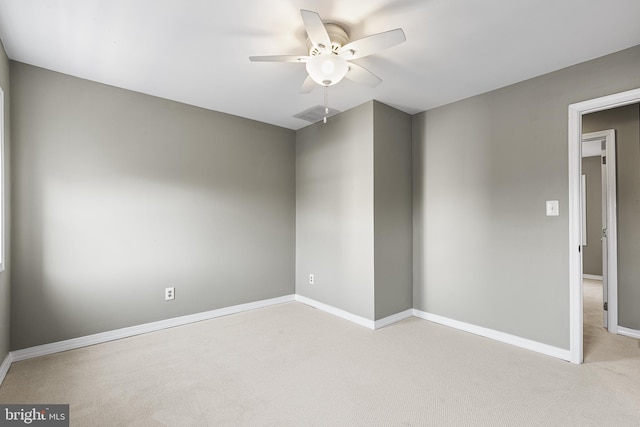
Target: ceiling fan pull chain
[{"x": 326, "y": 103}]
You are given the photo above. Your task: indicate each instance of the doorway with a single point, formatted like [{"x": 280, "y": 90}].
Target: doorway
[
  {"x": 599, "y": 220},
  {"x": 576, "y": 112}
]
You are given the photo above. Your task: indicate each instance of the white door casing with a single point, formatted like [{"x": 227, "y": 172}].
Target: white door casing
[{"x": 575, "y": 113}]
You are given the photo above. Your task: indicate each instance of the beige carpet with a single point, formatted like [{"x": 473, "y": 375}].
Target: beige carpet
[
  {"x": 600, "y": 345},
  {"x": 291, "y": 365}
]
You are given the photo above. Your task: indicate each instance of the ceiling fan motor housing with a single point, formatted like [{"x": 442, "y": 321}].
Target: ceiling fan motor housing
[{"x": 338, "y": 36}]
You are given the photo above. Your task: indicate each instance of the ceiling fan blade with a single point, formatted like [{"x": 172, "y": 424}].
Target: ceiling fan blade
[
  {"x": 315, "y": 29},
  {"x": 360, "y": 74},
  {"x": 279, "y": 58},
  {"x": 308, "y": 85},
  {"x": 372, "y": 44}
]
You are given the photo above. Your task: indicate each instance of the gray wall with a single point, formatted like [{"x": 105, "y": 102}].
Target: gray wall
[
  {"x": 626, "y": 122},
  {"x": 353, "y": 211},
  {"x": 119, "y": 195},
  {"x": 5, "y": 294},
  {"x": 485, "y": 253},
  {"x": 334, "y": 211},
  {"x": 392, "y": 210},
  {"x": 592, "y": 251}
]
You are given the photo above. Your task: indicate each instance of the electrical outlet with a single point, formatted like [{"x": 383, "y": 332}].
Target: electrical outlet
[
  {"x": 311, "y": 279},
  {"x": 169, "y": 293}
]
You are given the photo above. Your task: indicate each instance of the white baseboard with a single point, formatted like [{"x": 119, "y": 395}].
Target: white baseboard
[
  {"x": 381, "y": 323},
  {"x": 74, "y": 343},
  {"x": 497, "y": 335},
  {"x": 370, "y": 324},
  {"x": 627, "y": 332},
  {"x": 71, "y": 344},
  {"x": 359, "y": 320},
  {"x": 4, "y": 368},
  {"x": 591, "y": 277}
]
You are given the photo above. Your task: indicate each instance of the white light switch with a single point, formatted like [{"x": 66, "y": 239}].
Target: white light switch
[{"x": 552, "y": 208}]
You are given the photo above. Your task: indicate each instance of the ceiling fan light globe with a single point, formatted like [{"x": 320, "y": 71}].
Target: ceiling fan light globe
[{"x": 327, "y": 69}]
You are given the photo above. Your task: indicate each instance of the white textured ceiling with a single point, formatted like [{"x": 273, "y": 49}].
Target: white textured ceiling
[{"x": 196, "y": 51}]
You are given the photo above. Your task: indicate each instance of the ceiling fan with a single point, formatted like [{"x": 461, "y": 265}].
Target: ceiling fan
[{"x": 331, "y": 52}]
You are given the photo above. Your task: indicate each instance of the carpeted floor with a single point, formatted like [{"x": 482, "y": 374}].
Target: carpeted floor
[
  {"x": 291, "y": 365},
  {"x": 600, "y": 345}
]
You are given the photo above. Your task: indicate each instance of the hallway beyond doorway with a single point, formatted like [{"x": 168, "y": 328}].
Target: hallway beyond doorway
[{"x": 600, "y": 345}]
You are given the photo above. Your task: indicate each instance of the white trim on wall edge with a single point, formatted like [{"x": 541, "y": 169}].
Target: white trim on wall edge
[
  {"x": 591, "y": 277},
  {"x": 628, "y": 332},
  {"x": 74, "y": 343},
  {"x": 527, "y": 344},
  {"x": 4, "y": 368},
  {"x": 359, "y": 320},
  {"x": 381, "y": 323},
  {"x": 496, "y": 335},
  {"x": 370, "y": 324}
]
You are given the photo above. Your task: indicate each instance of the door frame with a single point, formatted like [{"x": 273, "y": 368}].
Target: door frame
[
  {"x": 610, "y": 210},
  {"x": 576, "y": 111}
]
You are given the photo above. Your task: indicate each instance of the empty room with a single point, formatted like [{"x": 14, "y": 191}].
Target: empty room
[{"x": 286, "y": 213}]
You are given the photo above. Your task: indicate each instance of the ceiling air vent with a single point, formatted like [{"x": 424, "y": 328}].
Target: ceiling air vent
[{"x": 315, "y": 114}]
